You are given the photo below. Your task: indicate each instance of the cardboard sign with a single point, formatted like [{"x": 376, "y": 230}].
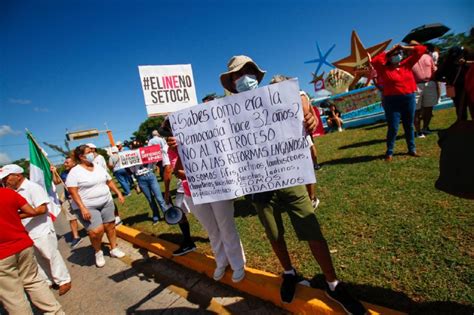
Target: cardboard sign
[
  {"x": 354, "y": 100},
  {"x": 167, "y": 88},
  {"x": 145, "y": 155},
  {"x": 245, "y": 143}
]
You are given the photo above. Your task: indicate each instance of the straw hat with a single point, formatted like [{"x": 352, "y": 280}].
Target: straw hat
[{"x": 234, "y": 65}]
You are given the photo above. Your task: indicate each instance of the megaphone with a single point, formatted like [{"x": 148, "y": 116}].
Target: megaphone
[{"x": 173, "y": 215}]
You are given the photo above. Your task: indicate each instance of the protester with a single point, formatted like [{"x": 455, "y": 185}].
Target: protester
[
  {"x": 66, "y": 203},
  {"x": 98, "y": 159},
  {"x": 334, "y": 117},
  {"x": 244, "y": 74},
  {"x": 18, "y": 267},
  {"x": 427, "y": 94},
  {"x": 398, "y": 95},
  {"x": 40, "y": 228},
  {"x": 120, "y": 174},
  {"x": 90, "y": 186},
  {"x": 217, "y": 218},
  {"x": 183, "y": 194},
  {"x": 453, "y": 70},
  {"x": 151, "y": 189},
  {"x": 158, "y": 140}
]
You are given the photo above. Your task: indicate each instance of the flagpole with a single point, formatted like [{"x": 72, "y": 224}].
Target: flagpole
[{"x": 46, "y": 157}]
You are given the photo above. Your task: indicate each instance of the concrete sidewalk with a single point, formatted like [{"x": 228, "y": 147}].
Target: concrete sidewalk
[{"x": 143, "y": 283}]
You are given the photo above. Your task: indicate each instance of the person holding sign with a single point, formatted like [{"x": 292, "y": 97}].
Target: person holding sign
[
  {"x": 244, "y": 74},
  {"x": 89, "y": 186}
]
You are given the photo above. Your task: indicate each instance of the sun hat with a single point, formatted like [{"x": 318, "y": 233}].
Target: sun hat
[
  {"x": 118, "y": 143},
  {"x": 10, "y": 169},
  {"x": 234, "y": 65},
  {"x": 91, "y": 145}
]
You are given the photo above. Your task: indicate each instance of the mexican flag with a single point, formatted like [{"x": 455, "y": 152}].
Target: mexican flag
[{"x": 40, "y": 173}]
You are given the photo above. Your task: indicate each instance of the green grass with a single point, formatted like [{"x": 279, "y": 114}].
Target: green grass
[{"x": 397, "y": 240}]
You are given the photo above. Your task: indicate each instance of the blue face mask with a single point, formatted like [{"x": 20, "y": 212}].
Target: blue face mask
[
  {"x": 90, "y": 157},
  {"x": 396, "y": 58},
  {"x": 246, "y": 83}
]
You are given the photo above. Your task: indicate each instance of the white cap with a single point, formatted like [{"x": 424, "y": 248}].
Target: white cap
[
  {"x": 10, "y": 169},
  {"x": 114, "y": 150},
  {"x": 91, "y": 145},
  {"x": 118, "y": 143}
]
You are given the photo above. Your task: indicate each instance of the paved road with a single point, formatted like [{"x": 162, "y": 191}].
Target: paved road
[{"x": 142, "y": 283}]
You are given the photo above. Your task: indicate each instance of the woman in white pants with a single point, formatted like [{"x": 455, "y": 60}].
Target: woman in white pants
[{"x": 218, "y": 220}]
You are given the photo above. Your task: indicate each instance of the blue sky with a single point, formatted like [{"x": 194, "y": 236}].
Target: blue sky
[{"x": 74, "y": 64}]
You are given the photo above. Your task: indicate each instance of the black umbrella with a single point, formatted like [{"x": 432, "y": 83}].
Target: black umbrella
[{"x": 426, "y": 32}]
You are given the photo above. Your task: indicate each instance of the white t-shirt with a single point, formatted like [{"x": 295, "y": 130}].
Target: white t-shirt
[
  {"x": 164, "y": 148},
  {"x": 100, "y": 161},
  {"x": 92, "y": 185},
  {"x": 114, "y": 162},
  {"x": 42, "y": 224}
]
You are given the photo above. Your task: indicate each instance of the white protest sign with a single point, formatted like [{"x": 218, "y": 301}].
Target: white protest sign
[
  {"x": 167, "y": 88},
  {"x": 145, "y": 155},
  {"x": 245, "y": 143}
]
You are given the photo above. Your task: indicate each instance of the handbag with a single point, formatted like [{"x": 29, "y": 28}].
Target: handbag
[{"x": 450, "y": 88}]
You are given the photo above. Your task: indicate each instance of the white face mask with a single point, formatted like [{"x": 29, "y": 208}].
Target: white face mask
[
  {"x": 246, "y": 83},
  {"x": 90, "y": 157},
  {"x": 396, "y": 58}
]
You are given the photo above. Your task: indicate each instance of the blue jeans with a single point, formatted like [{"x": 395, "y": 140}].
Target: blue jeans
[
  {"x": 124, "y": 180},
  {"x": 151, "y": 189},
  {"x": 396, "y": 107}
]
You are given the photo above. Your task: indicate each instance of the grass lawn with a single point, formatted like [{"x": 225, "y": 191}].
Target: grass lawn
[{"x": 394, "y": 238}]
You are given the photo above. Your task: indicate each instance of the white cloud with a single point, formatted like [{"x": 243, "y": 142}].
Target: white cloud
[
  {"x": 4, "y": 159},
  {"x": 19, "y": 101},
  {"x": 41, "y": 109},
  {"x": 7, "y": 130}
]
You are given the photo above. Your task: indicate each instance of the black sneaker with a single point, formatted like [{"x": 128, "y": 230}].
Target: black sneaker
[
  {"x": 288, "y": 287},
  {"x": 350, "y": 304},
  {"x": 317, "y": 167},
  {"x": 184, "y": 249}
]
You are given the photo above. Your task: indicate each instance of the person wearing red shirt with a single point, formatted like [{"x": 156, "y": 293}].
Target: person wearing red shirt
[
  {"x": 399, "y": 93},
  {"x": 18, "y": 267}
]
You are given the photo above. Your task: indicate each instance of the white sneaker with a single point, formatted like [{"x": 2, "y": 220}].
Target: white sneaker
[
  {"x": 117, "y": 253},
  {"x": 238, "y": 275},
  {"x": 118, "y": 221},
  {"x": 315, "y": 203},
  {"x": 219, "y": 273},
  {"x": 339, "y": 129},
  {"x": 99, "y": 259}
]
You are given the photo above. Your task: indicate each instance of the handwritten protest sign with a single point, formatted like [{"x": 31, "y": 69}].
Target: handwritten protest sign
[
  {"x": 245, "y": 143},
  {"x": 145, "y": 155},
  {"x": 167, "y": 88}
]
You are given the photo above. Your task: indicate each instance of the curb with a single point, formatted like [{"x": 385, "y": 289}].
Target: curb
[{"x": 257, "y": 283}]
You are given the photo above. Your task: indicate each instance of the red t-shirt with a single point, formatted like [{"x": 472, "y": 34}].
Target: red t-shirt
[
  {"x": 398, "y": 80},
  {"x": 13, "y": 236}
]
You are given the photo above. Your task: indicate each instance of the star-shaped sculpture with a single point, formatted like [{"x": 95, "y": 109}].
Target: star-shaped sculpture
[
  {"x": 322, "y": 60},
  {"x": 359, "y": 57}
]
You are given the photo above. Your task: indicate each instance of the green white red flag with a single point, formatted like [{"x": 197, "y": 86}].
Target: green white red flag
[{"x": 40, "y": 173}]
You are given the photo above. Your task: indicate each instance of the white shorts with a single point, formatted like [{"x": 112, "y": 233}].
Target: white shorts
[{"x": 426, "y": 94}]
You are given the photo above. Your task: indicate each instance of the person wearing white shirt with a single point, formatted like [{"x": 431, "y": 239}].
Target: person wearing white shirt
[
  {"x": 89, "y": 186},
  {"x": 40, "y": 229},
  {"x": 98, "y": 159},
  {"x": 156, "y": 139}
]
